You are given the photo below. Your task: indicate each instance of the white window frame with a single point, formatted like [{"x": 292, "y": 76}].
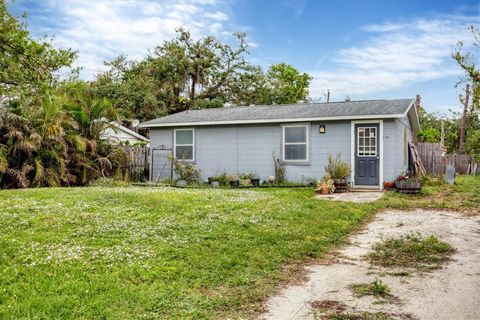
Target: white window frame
[
  {"x": 307, "y": 143},
  {"x": 376, "y": 142},
  {"x": 184, "y": 145}
]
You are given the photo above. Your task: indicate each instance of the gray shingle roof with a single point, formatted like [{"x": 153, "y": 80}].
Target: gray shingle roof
[{"x": 285, "y": 113}]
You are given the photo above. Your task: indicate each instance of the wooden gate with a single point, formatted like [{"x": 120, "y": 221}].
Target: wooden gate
[{"x": 139, "y": 162}]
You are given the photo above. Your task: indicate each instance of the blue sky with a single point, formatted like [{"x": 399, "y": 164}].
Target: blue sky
[{"x": 363, "y": 49}]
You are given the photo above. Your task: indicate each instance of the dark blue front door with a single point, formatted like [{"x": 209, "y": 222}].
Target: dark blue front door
[{"x": 367, "y": 154}]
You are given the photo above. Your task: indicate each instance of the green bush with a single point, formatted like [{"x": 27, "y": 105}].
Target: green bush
[
  {"x": 337, "y": 168},
  {"x": 433, "y": 181},
  {"x": 186, "y": 171},
  {"x": 108, "y": 182},
  {"x": 247, "y": 175},
  {"x": 222, "y": 178}
]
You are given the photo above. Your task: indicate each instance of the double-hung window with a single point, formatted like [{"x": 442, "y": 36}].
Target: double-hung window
[
  {"x": 184, "y": 144},
  {"x": 295, "y": 143}
]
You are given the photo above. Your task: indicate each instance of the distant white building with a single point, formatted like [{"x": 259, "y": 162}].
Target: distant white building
[{"x": 120, "y": 134}]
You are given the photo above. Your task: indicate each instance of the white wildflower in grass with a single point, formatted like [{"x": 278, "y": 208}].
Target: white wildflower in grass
[{"x": 161, "y": 253}]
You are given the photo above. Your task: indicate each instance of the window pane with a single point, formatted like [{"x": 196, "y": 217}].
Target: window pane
[
  {"x": 295, "y": 152},
  {"x": 184, "y": 152},
  {"x": 295, "y": 134},
  {"x": 184, "y": 137}
]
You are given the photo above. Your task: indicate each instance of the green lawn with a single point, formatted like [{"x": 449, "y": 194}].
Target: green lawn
[{"x": 156, "y": 253}]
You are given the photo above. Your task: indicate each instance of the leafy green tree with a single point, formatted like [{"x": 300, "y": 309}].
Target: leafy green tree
[
  {"x": 56, "y": 143},
  {"x": 131, "y": 88},
  {"x": 429, "y": 135},
  {"x": 468, "y": 62},
  {"x": 184, "y": 74},
  {"x": 180, "y": 74},
  {"x": 431, "y": 124},
  {"x": 250, "y": 86},
  {"x": 49, "y": 128},
  {"x": 27, "y": 66},
  {"x": 281, "y": 84},
  {"x": 287, "y": 84}
]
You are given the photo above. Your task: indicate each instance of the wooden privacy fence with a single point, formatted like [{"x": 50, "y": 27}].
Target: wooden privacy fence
[
  {"x": 435, "y": 163},
  {"x": 139, "y": 162}
]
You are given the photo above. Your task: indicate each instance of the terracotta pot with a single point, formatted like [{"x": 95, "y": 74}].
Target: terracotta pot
[
  {"x": 387, "y": 185},
  {"x": 324, "y": 190}
]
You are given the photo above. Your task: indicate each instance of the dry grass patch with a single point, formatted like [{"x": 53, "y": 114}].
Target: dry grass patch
[{"x": 335, "y": 310}]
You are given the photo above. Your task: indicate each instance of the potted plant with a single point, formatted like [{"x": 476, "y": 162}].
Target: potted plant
[
  {"x": 255, "y": 181},
  {"x": 249, "y": 178},
  {"x": 245, "y": 179},
  {"x": 408, "y": 183},
  {"x": 388, "y": 185},
  {"x": 270, "y": 180},
  {"x": 186, "y": 172},
  {"x": 234, "y": 181},
  {"x": 325, "y": 185},
  {"x": 339, "y": 171}
]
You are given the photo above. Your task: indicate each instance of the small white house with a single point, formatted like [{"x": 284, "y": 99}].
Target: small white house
[{"x": 120, "y": 134}]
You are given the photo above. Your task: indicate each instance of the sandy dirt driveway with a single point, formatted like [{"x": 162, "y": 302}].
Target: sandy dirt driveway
[{"x": 452, "y": 292}]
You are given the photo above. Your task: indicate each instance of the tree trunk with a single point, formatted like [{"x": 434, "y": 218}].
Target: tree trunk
[{"x": 463, "y": 127}]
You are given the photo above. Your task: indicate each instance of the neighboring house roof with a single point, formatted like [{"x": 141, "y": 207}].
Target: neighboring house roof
[
  {"x": 116, "y": 126},
  {"x": 365, "y": 109}
]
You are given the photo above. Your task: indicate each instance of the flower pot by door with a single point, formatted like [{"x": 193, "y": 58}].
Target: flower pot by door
[
  {"x": 408, "y": 186},
  {"x": 341, "y": 185}
]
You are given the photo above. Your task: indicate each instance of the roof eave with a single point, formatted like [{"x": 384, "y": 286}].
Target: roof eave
[
  {"x": 130, "y": 132},
  {"x": 260, "y": 121},
  {"x": 416, "y": 121}
]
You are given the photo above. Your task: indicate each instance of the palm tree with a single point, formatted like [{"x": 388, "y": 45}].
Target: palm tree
[{"x": 57, "y": 142}]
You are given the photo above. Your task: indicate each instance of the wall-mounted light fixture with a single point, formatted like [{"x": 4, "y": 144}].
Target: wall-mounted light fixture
[{"x": 321, "y": 128}]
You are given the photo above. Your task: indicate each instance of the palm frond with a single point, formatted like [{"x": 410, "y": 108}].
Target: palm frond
[
  {"x": 78, "y": 142},
  {"x": 18, "y": 177},
  {"x": 39, "y": 172},
  {"x": 105, "y": 165},
  {"x": 52, "y": 178},
  {"x": 14, "y": 134},
  {"x": 3, "y": 158}
]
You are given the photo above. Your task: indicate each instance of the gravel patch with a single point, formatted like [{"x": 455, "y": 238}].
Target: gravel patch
[{"x": 451, "y": 292}]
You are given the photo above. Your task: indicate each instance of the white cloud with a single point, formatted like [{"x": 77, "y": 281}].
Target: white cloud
[
  {"x": 218, "y": 15},
  {"x": 102, "y": 30},
  {"x": 394, "y": 56}
]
